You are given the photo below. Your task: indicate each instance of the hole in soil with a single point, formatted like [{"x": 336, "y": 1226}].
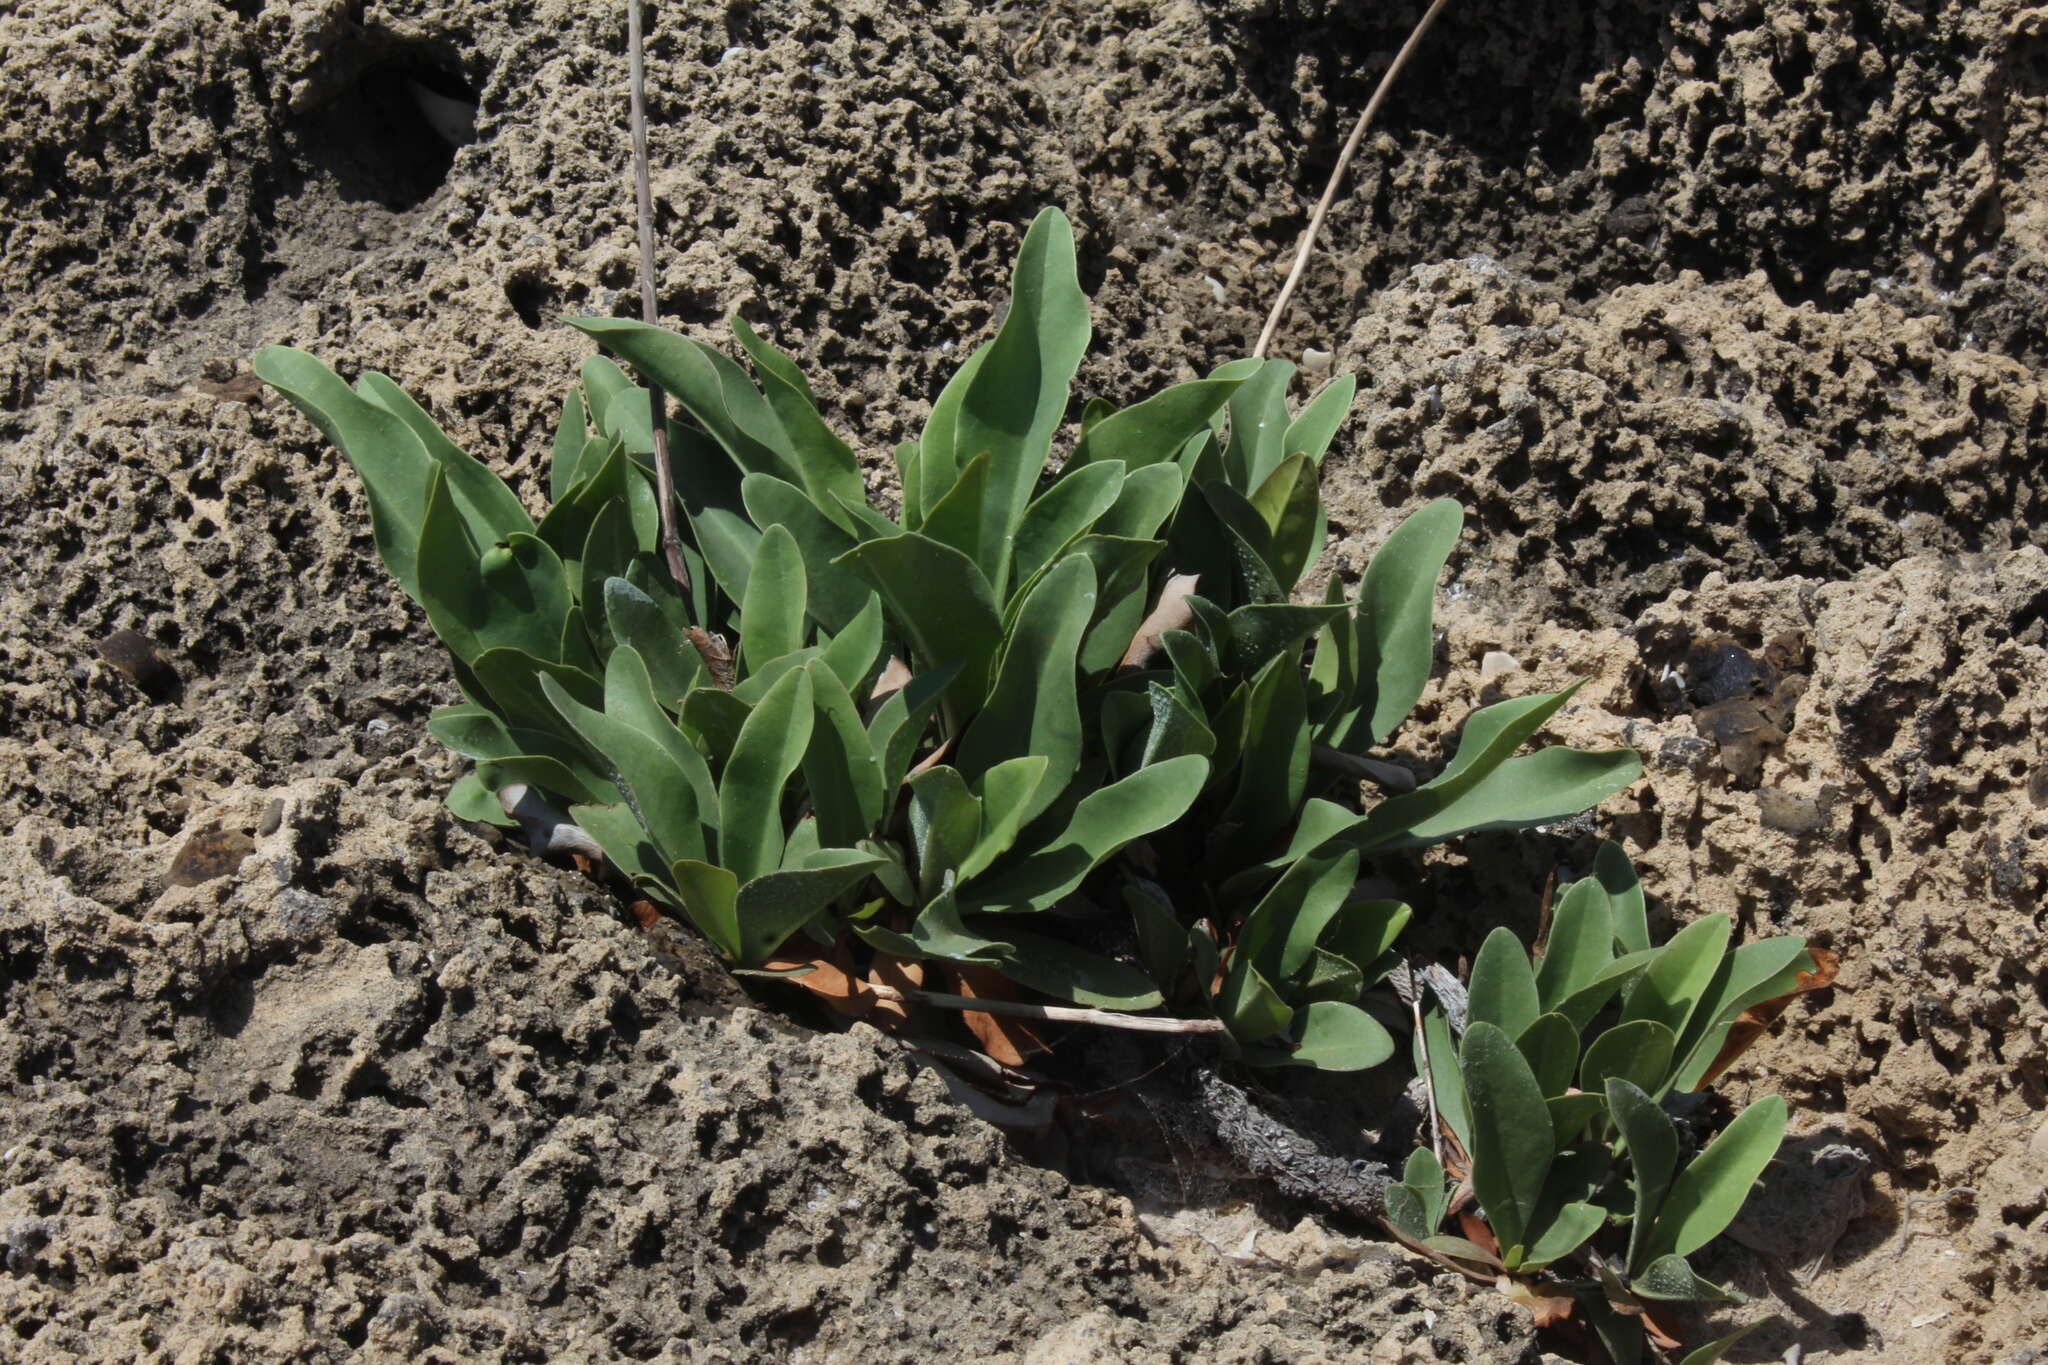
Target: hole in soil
[{"x": 390, "y": 137}]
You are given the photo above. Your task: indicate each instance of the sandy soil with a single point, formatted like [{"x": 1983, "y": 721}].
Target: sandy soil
[{"x": 1726, "y": 318}]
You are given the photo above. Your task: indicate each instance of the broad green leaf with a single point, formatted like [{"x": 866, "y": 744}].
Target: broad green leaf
[
  {"x": 1617, "y": 875},
  {"x": 1149, "y": 496},
  {"x": 1503, "y": 987},
  {"x": 1062, "y": 512},
  {"x": 1580, "y": 945},
  {"x": 1251, "y": 1007},
  {"x": 1006, "y": 792},
  {"x": 1571, "y": 1112},
  {"x": 1639, "y": 1053},
  {"x": 1711, "y": 1190},
  {"x": 510, "y": 678},
  {"x": 470, "y": 799},
  {"x": 629, "y": 695},
  {"x": 1416, "y": 1206},
  {"x": 1395, "y": 610},
  {"x": 899, "y": 723},
  {"x": 1275, "y": 761},
  {"x": 387, "y": 455},
  {"x": 1175, "y": 729},
  {"x": 1103, "y": 822},
  {"x": 856, "y": 650},
  {"x": 570, "y": 435},
  {"x": 1330, "y": 1035},
  {"x": 1581, "y": 1005},
  {"x": 1153, "y": 431},
  {"x": 956, "y": 519},
  {"x": 514, "y": 594},
  {"x": 608, "y": 475},
  {"x": 1162, "y": 941},
  {"x": 1329, "y": 977},
  {"x": 1017, "y": 397},
  {"x": 1258, "y": 426},
  {"x": 655, "y": 630},
  {"x": 1247, "y": 545},
  {"x": 569, "y": 784},
  {"x": 711, "y": 900},
  {"x": 1262, "y": 631},
  {"x": 1511, "y": 1145},
  {"x": 1034, "y": 707},
  {"x": 709, "y": 385},
  {"x": 1312, "y": 430},
  {"x": 825, "y": 464},
  {"x": 840, "y": 769},
  {"x": 1435, "y": 1047},
  {"x": 1288, "y": 502},
  {"x": 1551, "y": 1046},
  {"x": 1678, "y": 977},
  {"x": 1194, "y": 664},
  {"x": 755, "y": 685},
  {"x": 1573, "y": 1227},
  {"x": 770, "y": 746},
  {"x": 607, "y": 553},
  {"x": 1752, "y": 973},
  {"x": 1364, "y": 932},
  {"x": 1536, "y": 789},
  {"x": 940, "y": 603},
  {"x": 1669, "y": 1278},
  {"x": 491, "y": 509},
  {"x": 933, "y": 460},
  {"x": 646, "y": 774},
  {"x": 619, "y": 408},
  {"x": 623, "y": 838},
  {"x": 945, "y": 824},
  {"x": 1652, "y": 1144},
  {"x": 774, "y": 610},
  {"x": 1462, "y": 1249},
  {"x": 776, "y": 904},
  {"x": 1280, "y": 934},
  {"x": 834, "y": 595},
  {"x": 1054, "y": 967}
]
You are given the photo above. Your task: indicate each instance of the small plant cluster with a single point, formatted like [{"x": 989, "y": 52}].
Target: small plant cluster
[{"x": 1055, "y": 732}]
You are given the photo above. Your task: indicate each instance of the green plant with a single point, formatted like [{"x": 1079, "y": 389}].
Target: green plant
[
  {"x": 1047, "y": 720},
  {"x": 1554, "y": 1097}
]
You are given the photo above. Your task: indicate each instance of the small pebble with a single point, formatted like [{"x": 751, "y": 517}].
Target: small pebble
[
  {"x": 1495, "y": 665},
  {"x": 212, "y": 852},
  {"x": 138, "y": 659}
]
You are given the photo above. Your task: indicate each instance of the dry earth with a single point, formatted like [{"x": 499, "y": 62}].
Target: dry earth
[{"x": 1726, "y": 318}]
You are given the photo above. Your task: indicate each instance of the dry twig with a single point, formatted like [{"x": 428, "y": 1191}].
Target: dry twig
[
  {"x": 1315, "y": 223},
  {"x": 1052, "y": 1014}
]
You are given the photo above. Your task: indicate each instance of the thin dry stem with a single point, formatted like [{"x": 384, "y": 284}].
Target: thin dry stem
[
  {"x": 1052, "y": 1014},
  {"x": 664, "y": 476},
  {"x": 1315, "y": 223}
]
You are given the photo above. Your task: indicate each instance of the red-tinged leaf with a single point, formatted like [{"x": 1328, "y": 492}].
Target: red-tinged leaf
[
  {"x": 1004, "y": 1037},
  {"x": 1662, "y": 1331},
  {"x": 832, "y": 979},
  {"x": 898, "y": 974},
  {"x": 1478, "y": 1233},
  {"x": 1756, "y": 1021},
  {"x": 1547, "y": 1309}
]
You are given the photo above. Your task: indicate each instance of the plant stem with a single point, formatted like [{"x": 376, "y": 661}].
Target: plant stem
[
  {"x": 1315, "y": 223},
  {"x": 1386, "y": 776},
  {"x": 1052, "y": 1014},
  {"x": 664, "y": 476}
]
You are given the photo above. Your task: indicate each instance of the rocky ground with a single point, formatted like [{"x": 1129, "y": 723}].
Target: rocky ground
[{"x": 1725, "y": 318}]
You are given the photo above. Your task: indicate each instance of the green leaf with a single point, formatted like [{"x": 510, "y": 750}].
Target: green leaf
[
  {"x": 1149, "y": 496},
  {"x": 1311, "y": 432},
  {"x": 1017, "y": 397},
  {"x": 1258, "y": 426},
  {"x": 619, "y": 408},
  {"x": 1752, "y": 973},
  {"x": 1153, "y": 431},
  {"x": 1652, "y": 1144},
  {"x": 940, "y": 604},
  {"x": 1104, "y": 821},
  {"x": 1395, "y": 611},
  {"x": 571, "y": 433},
  {"x": 826, "y": 465},
  {"x": 1262, "y": 631},
  {"x": 490, "y": 508},
  {"x": 1275, "y": 761},
  {"x": 1581, "y": 1005},
  {"x": 1062, "y": 512},
  {"x": 1533, "y": 790},
  {"x": 1280, "y": 935},
  {"x": 550, "y": 774},
  {"x": 654, "y": 630},
  {"x": 1162, "y": 941},
  {"x": 623, "y": 838},
  {"x": 1678, "y": 977},
  {"x": 840, "y": 769},
  {"x": 1669, "y": 1278},
  {"x": 388, "y": 457},
  {"x": 945, "y": 824},
  {"x": 1293, "y": 514},
  {"x": 1057, "y": 968},
  {"x": 629, "y": 695},
  {"x": 1416, "y": 1206},
  {"x": 1247, "y": 545},
  {"x": 1446, "y": 1077},
  {"x": 1175, "y": 730},
  {"x": 899, "y": 722},
  {"x": 1617, "y": 875},
  {"x": 1711, "y": 1190},
  {"x": 470, "y": 799},
  {"x": 1512, "y": 1145},
  {"x": 776, "y": 904},
  {"x": 1364, "y": 932},
  {"x": 1251, "y": 1007},
  {"x": 1330, "y": 1036},
  {"x": 1570, "y": 1113},
  {"x": 1006, "y": 792},
  {"x": 856, "y": 650},
  {"x": 1573, "y": 1227},
  {"x": 711, "y": 900},
  {"x": 646, "y": 774},
  {"x": 773, "y": 614},
  {"x": 607, "y": 553},
  {"x": 956, "y": 519},
  {"x": 1551, "y": 1046},
  {"x": 1503, "y": 987},
  {"x": 1034, "y": 707},
  {"x": 513, "y": 595},
  {"x": 834, "y": 595},
  {"x": 510, "y": 678},
  {"x": 770, "y": 746},
  {"x": 1639, "y": 1053},
  {"x": 1581, "y": 942}
]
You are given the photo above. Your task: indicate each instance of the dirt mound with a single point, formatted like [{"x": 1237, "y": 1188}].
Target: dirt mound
[{"x": 1723, "y": 319}]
